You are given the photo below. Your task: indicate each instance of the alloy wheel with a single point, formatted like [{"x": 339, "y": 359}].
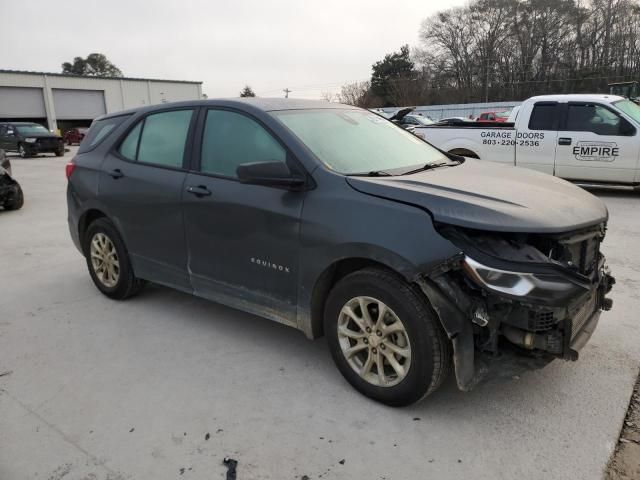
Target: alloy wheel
[
  {"x": 104, "y": 260},
  {"x": 374, "y": 341}
]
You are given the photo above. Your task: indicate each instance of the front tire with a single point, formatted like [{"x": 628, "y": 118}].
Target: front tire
[
  {"x": 384, "y": 337},
  {"x": 60, "y": 150},
  {"x": 15, "y": 201},
  {"x": 108, "y": 261}
]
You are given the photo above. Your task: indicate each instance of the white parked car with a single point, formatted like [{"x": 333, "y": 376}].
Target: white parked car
[{"x": 589, "y": 138}]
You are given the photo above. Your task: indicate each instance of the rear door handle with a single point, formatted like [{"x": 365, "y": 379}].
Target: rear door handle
[
  {"x": 199, "y": 191},
  {"x": 564, "y": 141},
  {"x": 117, "y": 173}
]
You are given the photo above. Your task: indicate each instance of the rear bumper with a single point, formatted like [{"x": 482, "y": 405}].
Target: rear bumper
[{"x": 73, "y": 219}]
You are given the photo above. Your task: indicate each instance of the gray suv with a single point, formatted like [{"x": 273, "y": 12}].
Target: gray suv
[{"x": 335, "y": 221}]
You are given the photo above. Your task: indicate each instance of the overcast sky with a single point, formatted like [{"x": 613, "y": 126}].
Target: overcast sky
[{"x": 307, "y": 46}]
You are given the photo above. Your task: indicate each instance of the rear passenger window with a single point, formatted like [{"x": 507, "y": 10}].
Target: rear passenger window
[
  {"x": 544, "y": 117},
  {"x": 231, "y": 139},
  {"x": 129, "y": 148},
  {"x": 159, "y": 139},
  {"x": 99, "y": 130}
]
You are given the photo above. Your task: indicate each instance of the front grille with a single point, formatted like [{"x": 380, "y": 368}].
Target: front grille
[
  {"x": 580, "y": 251},
  {"x": 47, "y": 142},
  {"x": 584, "y": 254},
  {"x": 541, "y": 321}
]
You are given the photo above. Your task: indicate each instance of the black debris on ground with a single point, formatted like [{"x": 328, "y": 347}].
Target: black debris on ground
[
  {"x": 219, "y": 430},
  {"x": 132, "y": 429},
  {"x": 341, "y": 462},
  {"x": 231, "y": 465},
  {"x": 416, "y": 419},
  {"x": 304, "y": 477},
  {"x": 181, "y": 471},
  {"x": 207, "y": 436}
]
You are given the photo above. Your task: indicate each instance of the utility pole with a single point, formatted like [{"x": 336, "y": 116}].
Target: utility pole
[{"x": 286, "y": 92}]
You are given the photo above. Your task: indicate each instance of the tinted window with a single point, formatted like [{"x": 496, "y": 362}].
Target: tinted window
[
  {"x": 99, "y": 130},
  {"x": 3, "y": 129},
  {"x": 544, "y": 117},
  {"x": 129, "y": 148},
  {"x": 231, "y": 139},
  {"x": 163, "y": 138},
  {"x": 596, "y": 119}
]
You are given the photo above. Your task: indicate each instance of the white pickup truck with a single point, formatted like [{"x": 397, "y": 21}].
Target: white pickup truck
[{"x": 588, "y": 138}]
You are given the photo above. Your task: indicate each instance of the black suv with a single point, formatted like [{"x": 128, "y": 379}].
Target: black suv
[
  {"x": 335, "y": 221},
  {"x": 29, "y": 139}
]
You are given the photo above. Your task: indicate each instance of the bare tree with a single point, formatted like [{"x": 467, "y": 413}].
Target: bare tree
[
  {"x": 357, "y": 94},
  {"x": 328, "y": 96}
]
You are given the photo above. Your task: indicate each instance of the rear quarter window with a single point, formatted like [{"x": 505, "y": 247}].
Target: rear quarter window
[{"x": 100, "y": 130}]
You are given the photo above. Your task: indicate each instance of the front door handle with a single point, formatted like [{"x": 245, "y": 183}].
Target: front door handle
[
  {"x": 564, "y": 141},
  {"x": 117, "y": 173},
  {"x": 199, "y": 191}
]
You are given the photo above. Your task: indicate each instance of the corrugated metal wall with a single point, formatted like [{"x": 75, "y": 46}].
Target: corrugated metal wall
[
  {"x": 83, "y": 98},
  {"x": 436, "y": 112}
]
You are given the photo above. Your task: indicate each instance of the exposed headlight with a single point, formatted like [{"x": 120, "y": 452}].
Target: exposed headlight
[
  {"x": 542, "y": 287},
  {"x": 30, "y": 140}
]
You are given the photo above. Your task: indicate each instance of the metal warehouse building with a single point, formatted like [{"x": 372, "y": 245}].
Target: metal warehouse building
[{"x": 61, "y": 101}]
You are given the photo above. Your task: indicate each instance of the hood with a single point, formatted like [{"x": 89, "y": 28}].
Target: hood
[
  {"x": 490, "y": 196},
  {"x": 400, "y": 114}
]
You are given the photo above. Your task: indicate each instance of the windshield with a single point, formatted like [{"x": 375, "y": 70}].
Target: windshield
[
  {"x": 358, "y": 141},
  {"x": 630, "y": 108},
  {"x": 32, "y": 129}
]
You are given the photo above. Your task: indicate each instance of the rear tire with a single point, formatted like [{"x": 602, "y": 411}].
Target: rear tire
[
  {"x": 60, "y": 151},
  {"x": 415, "y": 353},
  {"x": 15, "y": 201},
  {"x": 108, "y": 261}
]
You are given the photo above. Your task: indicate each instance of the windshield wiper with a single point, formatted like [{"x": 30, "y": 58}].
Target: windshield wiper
[
  {"x": 431, "y": 166},
  {"x": 373, "y": 173}
]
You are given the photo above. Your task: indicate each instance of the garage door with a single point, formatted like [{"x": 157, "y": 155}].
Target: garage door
[
  {"x": 21, "y": 102},
  {"x": 78, "y": 104}
]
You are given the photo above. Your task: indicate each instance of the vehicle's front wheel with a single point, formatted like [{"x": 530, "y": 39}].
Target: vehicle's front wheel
[
  {"x": 108, "y": 261},
  {"x": 15, "y": 200},
  {"x": 385, "y": 338},
  {"x": 60, "y": 150}
]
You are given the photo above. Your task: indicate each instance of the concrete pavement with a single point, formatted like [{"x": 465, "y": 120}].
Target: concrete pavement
[{"x": 165, "y": 385}]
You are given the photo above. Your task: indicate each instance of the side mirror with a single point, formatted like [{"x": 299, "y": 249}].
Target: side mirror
[
  {"x": 10, "y": 133},
  {"x": 270, "y": 173}
]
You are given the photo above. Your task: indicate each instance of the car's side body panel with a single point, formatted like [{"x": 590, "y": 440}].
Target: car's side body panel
[{"x": 331, "y": 233}]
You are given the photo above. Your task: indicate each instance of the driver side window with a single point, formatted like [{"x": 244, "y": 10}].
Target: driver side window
[{"x": 231, "y": 139}]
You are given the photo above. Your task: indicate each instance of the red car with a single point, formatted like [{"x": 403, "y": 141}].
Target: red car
[
  {"x": 75, "y": 135},
  {"x": 494, "y": 116}
]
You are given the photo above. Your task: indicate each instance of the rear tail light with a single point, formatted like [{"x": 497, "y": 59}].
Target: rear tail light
[{"x": 70, "y": 167}]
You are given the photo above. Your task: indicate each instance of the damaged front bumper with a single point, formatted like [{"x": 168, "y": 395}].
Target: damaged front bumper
[{"x": 525, "y": 309}]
